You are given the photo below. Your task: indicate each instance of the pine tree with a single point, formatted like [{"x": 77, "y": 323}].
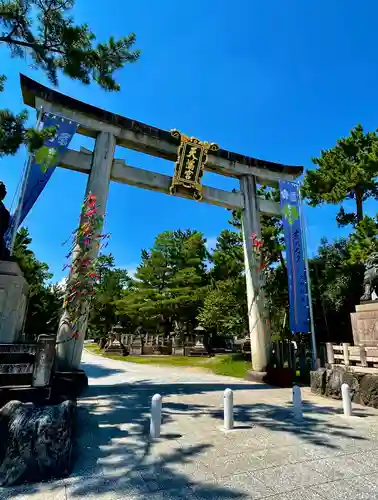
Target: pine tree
[
  {"x": 169, "y": 283},
  {"x": 349, "y": 170},
  {"x": 44, "y": 32},
  {"x": 108, "y": 288},
  {"x": 364, "y": 240}
]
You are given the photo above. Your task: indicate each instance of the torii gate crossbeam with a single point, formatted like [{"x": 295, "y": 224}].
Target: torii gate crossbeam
[{"x": 109, "y": 130}]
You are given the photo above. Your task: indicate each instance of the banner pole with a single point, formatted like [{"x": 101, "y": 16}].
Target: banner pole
[
  {"x": 17, "y": 214},
  {"x": 311, "y": 312}
]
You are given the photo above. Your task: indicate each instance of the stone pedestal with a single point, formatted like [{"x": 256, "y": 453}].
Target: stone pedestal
[
  {"x": 44, "y": 360},
  {"x": 136, "y": 347},
  {"x": 13, "y": 301},
  {"x": 365, "y": 324}
]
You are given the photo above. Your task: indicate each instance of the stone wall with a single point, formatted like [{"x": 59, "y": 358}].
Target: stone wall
[{"x": 363, "y": 386}]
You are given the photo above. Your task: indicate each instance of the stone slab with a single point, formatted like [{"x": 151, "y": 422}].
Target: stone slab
[
  {"x": 365, "y": 328},
  {"x": 14, "y": 292},
  {"x": 10, "y": 268},
  {"x": 367, "y": 306}
]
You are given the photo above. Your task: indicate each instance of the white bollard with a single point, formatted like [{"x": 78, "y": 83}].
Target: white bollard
[
  {"x": 347, "y": 404},
  {"x": 297, "y": 403},
  {"x": 155, "y": 423},
  {"x": 228, "y": 405}
]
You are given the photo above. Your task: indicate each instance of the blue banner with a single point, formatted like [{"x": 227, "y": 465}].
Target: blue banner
[
  {"x": 45, "y": 160},
  {"x": 295, "y": 257}
]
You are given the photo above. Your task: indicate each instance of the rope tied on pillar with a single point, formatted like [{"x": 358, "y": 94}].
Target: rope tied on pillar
[{"x": 83, "y": 275}]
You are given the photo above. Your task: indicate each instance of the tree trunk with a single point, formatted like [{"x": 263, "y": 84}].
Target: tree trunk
[
  {"x": 282, "y": 261},
  {"x": 360, "y": 213}
]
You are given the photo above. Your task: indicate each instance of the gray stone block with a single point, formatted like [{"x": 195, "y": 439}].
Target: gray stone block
[
  {"x": 36, "y": 442},
  {"x": 363, "y": 387},
  {"x": 353, "y": 379},
  {"x": 369, "y": 390},
  {"x": 318, "y": 381},
  {"x": 333, "y": 383}
]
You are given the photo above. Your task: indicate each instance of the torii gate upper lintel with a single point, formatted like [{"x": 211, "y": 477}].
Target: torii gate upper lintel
[{"x": 110, "y": 129}]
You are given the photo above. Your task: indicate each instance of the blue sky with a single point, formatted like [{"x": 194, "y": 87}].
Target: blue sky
[{"x": 275, "y": 80}]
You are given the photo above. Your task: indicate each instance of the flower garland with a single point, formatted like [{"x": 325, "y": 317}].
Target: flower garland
[
  {"x": 257, "y": 248},
  {"x": 260, "y": 262},
  {"x": 82, "y": 277}
]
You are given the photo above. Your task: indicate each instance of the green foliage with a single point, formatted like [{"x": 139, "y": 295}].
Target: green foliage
[
  {"x": 336, "y": 288},
  {"x": 170, "y": 282},
  {"x": 272, "y": 230},
  {"x": 12, "y": 131},
  {"x": 228, "y": 256},
  {"x": 349, "y": 170},
  {"x": 45, "y": 301},
  {"x": 225, "y": 308},
  {"x": 276, "y": 296},
  {"x": 3, "y": 79},
  {"x": 364, "y": 240},
  {"x": 110, "y": 283},
  {"x": 44, "y": 31}
]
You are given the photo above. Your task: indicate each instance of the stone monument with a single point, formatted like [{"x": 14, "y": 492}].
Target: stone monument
[
  {"x": 114, "y": 344},
  {"x": 201, "y": 340},
  {"x": 365, "y": 319},
  {"x": 4, "y": 223},
  {"x": 14, "y": 289}
]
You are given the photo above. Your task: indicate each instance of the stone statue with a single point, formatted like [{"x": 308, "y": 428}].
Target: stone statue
[
  {"x": 371, "y": 278},
  {"x": 4, "y": 223}
]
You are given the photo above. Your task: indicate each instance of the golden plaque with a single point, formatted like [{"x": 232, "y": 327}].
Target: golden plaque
[{"x": 189, "y": 167}]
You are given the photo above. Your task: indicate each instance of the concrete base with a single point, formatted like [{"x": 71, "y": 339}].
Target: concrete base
[
  {"x": 365, "y": 324},
  {"x": 259, "y": 377},
  {"x": 14, "y": 292},
  {"x": 279, "y": 377},
  {"x": 363, "y": 386}
]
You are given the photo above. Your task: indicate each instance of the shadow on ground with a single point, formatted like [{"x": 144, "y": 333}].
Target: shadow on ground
[
  {"x": 98, "y": 371},
  {"x": 115, "y": 443},
  {"x": 116, "y": 455}
]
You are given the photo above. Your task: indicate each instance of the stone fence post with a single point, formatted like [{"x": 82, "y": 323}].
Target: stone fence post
[
  {"x": 44, "y": 361},
  {"x": 330, "y": 354},
  {"x": 346, "y": 353}
]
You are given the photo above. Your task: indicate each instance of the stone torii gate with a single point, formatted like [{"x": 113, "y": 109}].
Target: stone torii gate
[{"x": 110, "y": 130}]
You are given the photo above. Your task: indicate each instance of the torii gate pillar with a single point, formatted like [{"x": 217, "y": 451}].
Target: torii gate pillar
[
  {"x": 258, "y": 326},
  {"x": 69, "y": 350},
  {"x": 105, "y": 127}
]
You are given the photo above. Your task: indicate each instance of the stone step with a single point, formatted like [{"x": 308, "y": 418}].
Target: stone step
[
  {"x": 14, "y": 357},
  {"x": 18, "y": 348},
  {"x": 15, "y": 368}
]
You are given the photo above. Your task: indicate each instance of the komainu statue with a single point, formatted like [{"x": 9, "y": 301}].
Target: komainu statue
[{"x": 371, "y": 278}]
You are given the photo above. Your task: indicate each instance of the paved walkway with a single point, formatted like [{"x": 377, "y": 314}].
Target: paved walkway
[{"x": 267, "y": 456}]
